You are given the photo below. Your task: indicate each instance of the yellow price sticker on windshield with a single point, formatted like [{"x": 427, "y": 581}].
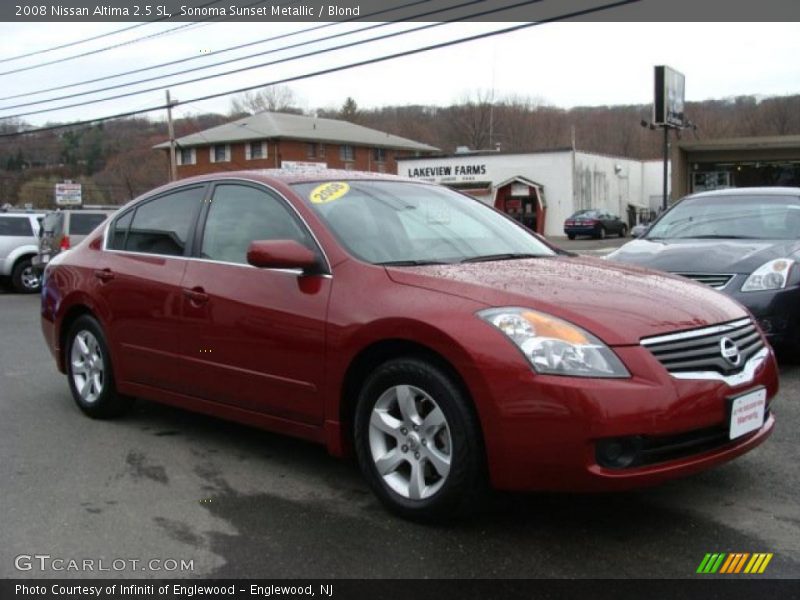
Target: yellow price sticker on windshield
[{"x": 328, "y": 192}]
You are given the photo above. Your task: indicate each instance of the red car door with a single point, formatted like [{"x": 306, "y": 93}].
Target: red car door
[
  {"x": 138, "y": 281},
  {"x": 254, "y": 338}
]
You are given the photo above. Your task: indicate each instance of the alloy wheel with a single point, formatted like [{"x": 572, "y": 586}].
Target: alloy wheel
[
  {"x": 29, "y": 279},
  {"x": 410, "y": 442},
  {"x": 86, "y": 366}
]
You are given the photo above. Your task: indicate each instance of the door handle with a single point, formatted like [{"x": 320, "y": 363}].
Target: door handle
[
  {"x": 104, "y": 275},
  {"x": 196, "y": 295}
]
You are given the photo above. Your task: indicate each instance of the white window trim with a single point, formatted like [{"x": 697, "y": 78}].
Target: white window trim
[
  {"x": 179, "y": 156},
  {"x": 212, "y": 156},
  {"x": 342, "y": 153},
  {"x": 248, "y": 153}
]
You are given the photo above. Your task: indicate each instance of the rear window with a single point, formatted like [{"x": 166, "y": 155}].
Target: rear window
[
  {"x": 52, "y": 222},
  {"x": 84, "y": 223},
  {"x": 585, "y": 214},
  {"x": 15, "y": 227}
]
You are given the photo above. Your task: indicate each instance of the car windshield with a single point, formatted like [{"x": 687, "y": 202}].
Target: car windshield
[
  {"x": 584, "y": 214},
  {"x": 84, "y": 223},
  {"x": 399, "y": 223},
  {"x": 52, "y": 222},
  {"x": 731, "y": 217}
]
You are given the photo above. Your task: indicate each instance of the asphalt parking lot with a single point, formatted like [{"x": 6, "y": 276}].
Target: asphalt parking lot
[{"x": 166, "y": 484}]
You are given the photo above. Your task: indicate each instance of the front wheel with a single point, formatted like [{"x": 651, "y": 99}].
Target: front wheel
[
  {"x": 89, "y": 371},
  {"x": 418, "y": 441}
]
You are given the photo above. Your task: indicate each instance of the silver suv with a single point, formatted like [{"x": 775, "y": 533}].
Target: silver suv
[
  {"x": 18, "y": 245},
  {"x": 63, "y": 229}
]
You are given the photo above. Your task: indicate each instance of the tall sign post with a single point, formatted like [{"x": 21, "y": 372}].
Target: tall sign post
[{"x": 668, "y": 102}]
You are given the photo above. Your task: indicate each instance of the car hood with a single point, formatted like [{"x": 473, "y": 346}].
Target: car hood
[
  {"x": 619, "y": 304},
  {"x": 705, "y": 256}
]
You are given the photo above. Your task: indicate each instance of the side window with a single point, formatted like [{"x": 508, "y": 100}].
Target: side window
[
  {"x": 161, "y": 226},
  {"x": 15, "y": 227},
  {"x": 118, "y": 231},
  {"x": 242, "y": 214}
]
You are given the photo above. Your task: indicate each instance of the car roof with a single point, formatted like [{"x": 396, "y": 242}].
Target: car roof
[
  {"x": 749, "y": 191},
  {"x": 291, "y": 176}
]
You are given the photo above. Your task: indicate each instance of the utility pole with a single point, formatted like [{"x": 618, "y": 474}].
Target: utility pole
[
  {"x": 666, "y": 165},
  {"x": 173, "y": 164}
]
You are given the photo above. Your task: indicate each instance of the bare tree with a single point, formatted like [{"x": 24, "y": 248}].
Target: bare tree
[
  {"x": 472, "y": 120},
  {"x": 273, "y": 98}
]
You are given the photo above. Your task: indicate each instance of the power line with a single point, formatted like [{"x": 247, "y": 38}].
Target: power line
[
  {"x": 279, "y": 61},
  {"x": 107, "y": 48},
  {"x": 77, "y": 42},
  {"x": 216, "y": 52},
  {"x": 379, "y": 59},
  {"x": 241, "y": 58}
]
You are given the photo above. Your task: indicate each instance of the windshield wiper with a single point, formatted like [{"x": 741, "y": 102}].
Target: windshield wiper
[
  {"x": 715, "y": 237},
  {"x": 410, "y": 263},
  {"x": 506, "y": 256}
]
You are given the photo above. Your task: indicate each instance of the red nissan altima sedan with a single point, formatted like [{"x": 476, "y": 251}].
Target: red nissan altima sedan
[{"x": 441, "y": 342}]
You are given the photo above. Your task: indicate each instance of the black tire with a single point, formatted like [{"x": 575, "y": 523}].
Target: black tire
[
  {"x": 571, "y": 236},
  {"x": 623, "y": 232},
  {"x": 463, "y": 487},
  {"x": 108, "y": 403},
  {"x": 601, "y": 233},
  {"x": 24, "y": 278}
]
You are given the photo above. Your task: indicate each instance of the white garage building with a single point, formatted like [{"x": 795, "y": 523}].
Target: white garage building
[{"x": 542, "y": 189}]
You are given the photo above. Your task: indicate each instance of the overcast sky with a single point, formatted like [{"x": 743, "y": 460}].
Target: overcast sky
[{"x": 562, "y": 64}]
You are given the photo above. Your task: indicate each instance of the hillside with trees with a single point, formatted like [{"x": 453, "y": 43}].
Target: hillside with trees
[{"x": 115, "y": 161}]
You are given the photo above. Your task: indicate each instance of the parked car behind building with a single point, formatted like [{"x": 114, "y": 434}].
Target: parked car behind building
[
  {"x": 744, "y": 242},
  {"x": 63, "y": 229},
  {"x": 594, "y": 223},
  {"x": 18, "y": 245}
]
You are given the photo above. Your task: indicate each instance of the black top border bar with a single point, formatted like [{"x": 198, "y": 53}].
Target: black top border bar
[{"x": 68, "y": 11}]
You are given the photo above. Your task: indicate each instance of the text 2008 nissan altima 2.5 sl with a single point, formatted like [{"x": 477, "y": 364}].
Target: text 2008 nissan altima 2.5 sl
[{"x": 438, "y": 340}]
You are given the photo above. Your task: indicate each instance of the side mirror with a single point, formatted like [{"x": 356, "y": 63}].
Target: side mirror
[{"x": 281, "y": 254}]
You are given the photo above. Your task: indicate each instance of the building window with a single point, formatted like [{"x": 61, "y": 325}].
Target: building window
[
  {"x": 379, "y": 154},
  {"x": 322, "y": 150},
  {"x": 186, "y": 156},
  {"x": 220, "y": 153},
  {"x": 255, "y": 150},
  {"x": 347, "y": 152},
  {"x": 312, "y": 150}
]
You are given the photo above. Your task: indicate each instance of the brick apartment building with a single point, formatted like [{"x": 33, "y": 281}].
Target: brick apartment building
[{"x": 271, "y": 140}]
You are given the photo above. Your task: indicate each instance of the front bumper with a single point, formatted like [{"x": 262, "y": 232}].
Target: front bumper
[{"x": 548, "y": 429}]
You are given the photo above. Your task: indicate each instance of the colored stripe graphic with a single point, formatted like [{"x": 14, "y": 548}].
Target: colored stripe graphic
[
  {"x": 728, "y": 564},
  {"x": 711, "y": 563},
  {"x": 734, "y": 563}
]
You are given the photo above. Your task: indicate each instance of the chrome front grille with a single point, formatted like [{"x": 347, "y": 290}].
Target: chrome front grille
[
  {"x": 704, "y": 350},
  {"x": 715, "y": 280}
]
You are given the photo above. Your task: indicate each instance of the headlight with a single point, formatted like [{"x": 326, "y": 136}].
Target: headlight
[
  {"x": 553, "y": 346},
  {"x": 772, "y": 275}
]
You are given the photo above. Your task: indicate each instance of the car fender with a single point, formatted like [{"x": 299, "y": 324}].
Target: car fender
[
  {"x": 66, "y": 307},
  {"x": 452, "y": 350},
  {"x": 16, "y": 254}
]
